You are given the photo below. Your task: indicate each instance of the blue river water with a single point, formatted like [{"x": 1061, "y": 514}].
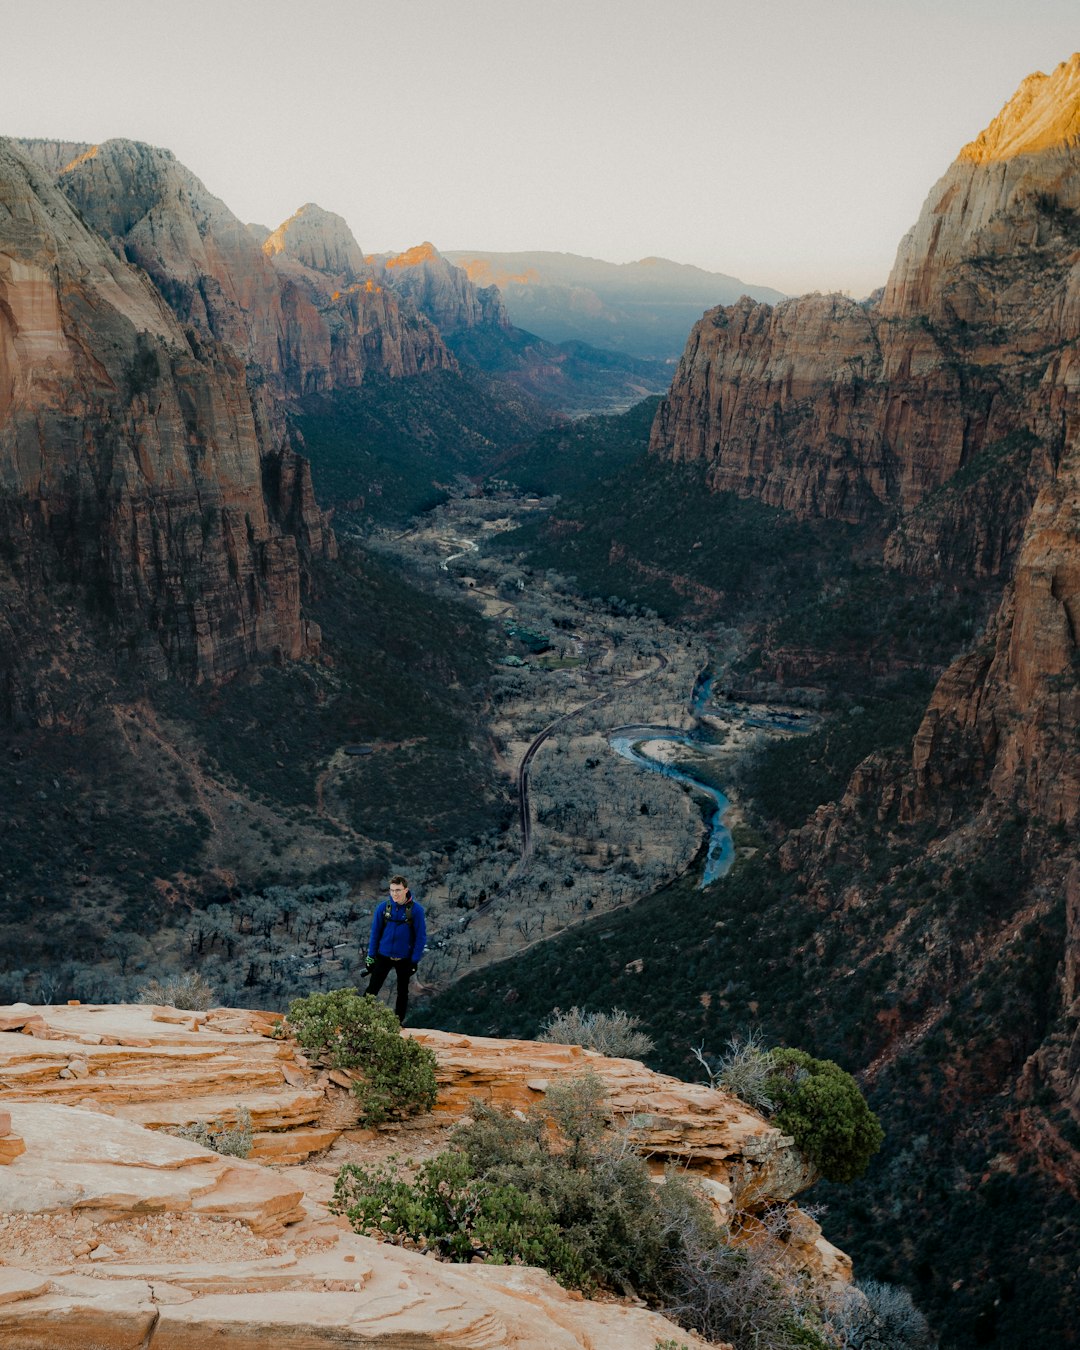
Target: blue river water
[{"x": 721, "y": 852}]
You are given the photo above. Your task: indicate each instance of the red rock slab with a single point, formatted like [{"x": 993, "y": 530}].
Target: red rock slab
[
  {"x": 19, "y": 1284},
  {"x": 21, "y": 1022},
  {"x": 255, "y": 1196},
  {"x": 80, "y": 1160},
  {"x": 198, "y": 1277},
  {"x": 317, "y": 1320},
  {"x": 690, "y": 1123},
  {"x": 291, "y": 1145},
  {"x": 90, "y": 1313},
  {"x": 11, "y": 1147},
  {"x": 269, "y": 1110}
]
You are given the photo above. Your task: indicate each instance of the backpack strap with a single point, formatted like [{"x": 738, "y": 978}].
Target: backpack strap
[{"x": 384, "y": 916}]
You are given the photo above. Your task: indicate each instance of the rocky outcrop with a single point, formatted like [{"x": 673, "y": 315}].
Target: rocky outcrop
[
  {"x": 162, "y": 1068},
  {"x": 441, "y": 290},
  {"x": 322, "y": 241},
  {"x": 134, "y": 459},
  {"x": 303, "y": 328},
  {"x": 1006, "y": 715},
  {"x": 951, "y": 390},
  {"x": 996, "y": 203},
  {"x": 155, "y": 213},
  {"x": 113, "y": 1231},
  {"x": 802, "y": 406}
]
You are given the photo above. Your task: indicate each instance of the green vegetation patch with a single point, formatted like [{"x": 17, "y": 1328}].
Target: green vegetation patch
[
  {"x": 342, "y": 1030},
  {"x": 944, "y": 1207},
  {"x": 570, "y": 458},
  {"x": 384, "y": 452},
  {"x": 399, "y": 671},
  {"x": 553, "y": 1187},
  {"x": 790, "y": 778},
  {"x": 821, "y": 1107}
]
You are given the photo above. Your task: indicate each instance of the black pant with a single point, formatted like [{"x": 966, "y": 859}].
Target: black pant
[{"x": 379, "y": 972}]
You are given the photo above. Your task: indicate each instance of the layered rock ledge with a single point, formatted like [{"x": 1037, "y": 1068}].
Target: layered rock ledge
[{"x": 114, "y": 1232}]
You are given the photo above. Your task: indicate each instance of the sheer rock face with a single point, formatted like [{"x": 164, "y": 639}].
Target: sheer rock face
[
  {"x": 133, "y": 459},
  {"x": 981, "y": 207},
  {"x": 155, "y": 213},
  {"x": 320, "y": 240},
  {"x": 305, "y": 328},
  {"x": 113, "y": 1229},
  {"x": 342, "y": 321},
  {"x": 1006, "y": 715},
  {"x": 840, "y": 410},
  {"x": 956, "y": 403},
  {"x": 811, "y": 406},
  {"x": 441, "y": 290}
]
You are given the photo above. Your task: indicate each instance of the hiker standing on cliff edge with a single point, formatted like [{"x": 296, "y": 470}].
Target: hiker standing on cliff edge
[{"x": 398, "y": 934}]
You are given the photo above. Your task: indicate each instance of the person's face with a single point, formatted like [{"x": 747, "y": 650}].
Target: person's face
[{"x": 398, "y": 893}]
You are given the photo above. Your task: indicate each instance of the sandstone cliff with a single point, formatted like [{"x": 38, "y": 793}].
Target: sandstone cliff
[
  {"x": 441, "y": 290},
  {"x": 957, "y": 401},
  {"x": 320, "y": 240},
  {"x": 302, "y": 331},
  {"x": 134, "y": 461},
  {"x": 114, "y": 1231},
  {"x": 996, "y": 201},
  {"x": 946, "y": 416},
  {"x": 847, "y": 411}
]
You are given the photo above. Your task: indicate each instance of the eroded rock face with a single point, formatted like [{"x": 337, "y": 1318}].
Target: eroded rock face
[
  {"x": 982, "y": 206},
  {"x": 155, "y": 213},
  {"x": 294, "y": 306},
  {"x": 133, "y": 458},
  {"x": 115, "y": 1233},
  {"x": 320, "y": 240},
  {"x": 1006, "y": 715},
  {"x": 949, "y": 395},
  {"x": 810, "y": 407},
  {"x": 441, "y": 290}
]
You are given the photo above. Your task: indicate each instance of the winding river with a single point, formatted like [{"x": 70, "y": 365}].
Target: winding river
[
  {"x": 721, "y": 854},
  {"x": 625, "y": 740}
]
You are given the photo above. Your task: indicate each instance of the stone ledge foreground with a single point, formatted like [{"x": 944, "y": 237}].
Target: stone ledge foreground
[{"x": 115, "y": 1234}]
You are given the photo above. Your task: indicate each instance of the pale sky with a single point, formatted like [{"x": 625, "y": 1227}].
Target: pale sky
[{"x": 787, "y": 142}]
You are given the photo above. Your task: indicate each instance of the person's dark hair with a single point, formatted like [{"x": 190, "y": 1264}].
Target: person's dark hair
[{"x": 399, "y": 881}]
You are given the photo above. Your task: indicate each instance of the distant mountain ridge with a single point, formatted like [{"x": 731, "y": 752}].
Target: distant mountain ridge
[{"x": 644, "y": 308}]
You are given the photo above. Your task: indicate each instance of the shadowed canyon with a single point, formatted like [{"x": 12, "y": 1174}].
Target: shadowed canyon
[{"x": 315, "y": 566}]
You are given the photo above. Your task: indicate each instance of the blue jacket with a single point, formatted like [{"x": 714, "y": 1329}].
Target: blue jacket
[{"x": 399, "y": 940}]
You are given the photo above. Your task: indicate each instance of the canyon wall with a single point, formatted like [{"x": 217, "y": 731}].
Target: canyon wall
[
  {"x": 294, "y": 306},
  {"x": 949, "y": 412},
  {"x": 135, "y": 462},
  {"x": 901, "y": 409},
  {"x": 441, "y": 290}
]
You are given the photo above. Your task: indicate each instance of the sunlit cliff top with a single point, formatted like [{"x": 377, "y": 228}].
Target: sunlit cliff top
[{"x": 1042, "y": 114}]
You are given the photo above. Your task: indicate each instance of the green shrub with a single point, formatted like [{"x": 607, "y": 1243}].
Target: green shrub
[
  {"x": 821, "y": 1107},
  {"x": 233, "y": 1140},
  {"x": 814, "y": 1100},
  {"x": 449, "y": 1210},
  {"x": 343, "y": 1030},
  {"x": 553, "y": 1186},
  {"x": 546, "y": 1186},
  {"x": 595, "y": 1189},
  {"x": 615, "y": 1033}
]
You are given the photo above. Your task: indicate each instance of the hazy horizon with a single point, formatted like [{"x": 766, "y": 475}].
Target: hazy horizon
[{"x": 788, "y": 145}]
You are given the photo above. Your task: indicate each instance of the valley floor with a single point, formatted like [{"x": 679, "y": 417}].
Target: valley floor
[{"x": 601, "y": 833}]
